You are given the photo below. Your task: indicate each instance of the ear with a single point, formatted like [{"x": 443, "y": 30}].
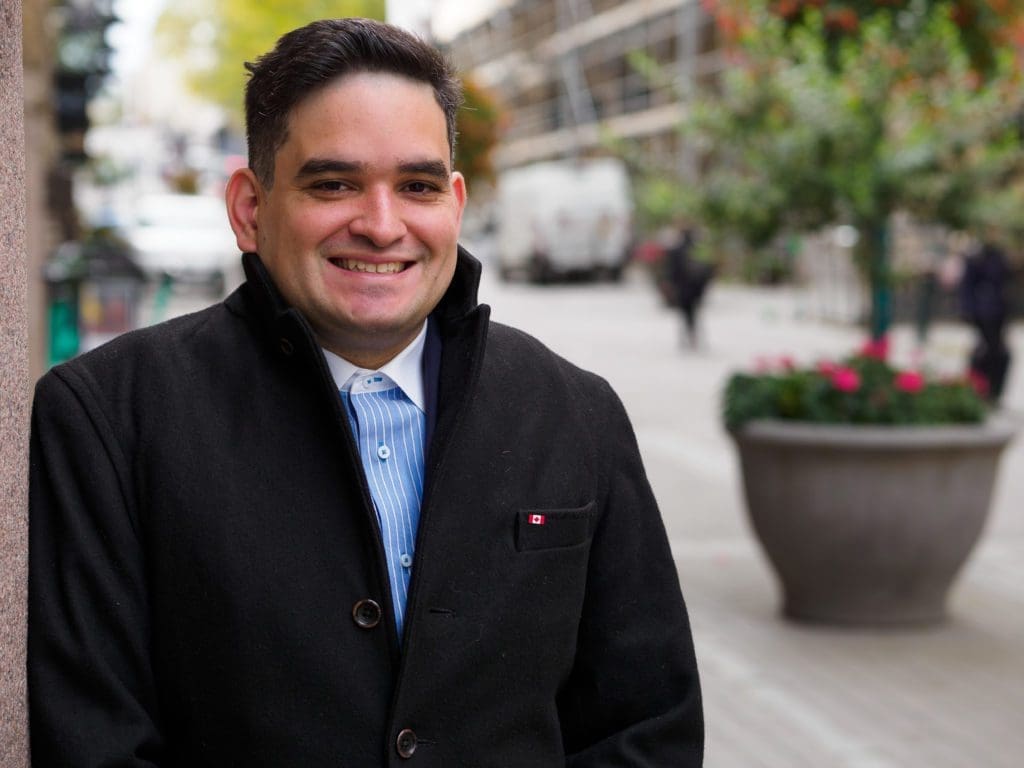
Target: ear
[
  {"x": 460, "y": 191},
  {"x": 243, "y": 195}
]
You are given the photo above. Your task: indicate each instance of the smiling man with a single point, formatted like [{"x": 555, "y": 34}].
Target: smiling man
[
  {"x": 342, "y": 518},
  {"x": 357, "y": 217}
]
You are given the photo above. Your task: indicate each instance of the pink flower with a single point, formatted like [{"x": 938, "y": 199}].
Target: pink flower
[
  {"x": 909, "y": 381},
  {"x": 846, "y": 379},
  {"x": 979, "y": 382},
  {"x": 826, "y": 367},
  {"x": 877, "y": 349},
  {"x": 764, "y": 364}
]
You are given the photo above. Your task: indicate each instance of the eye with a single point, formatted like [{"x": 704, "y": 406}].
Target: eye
[
  {"x": 420, "y": 187},
  {"x": 330, "y": 185}
]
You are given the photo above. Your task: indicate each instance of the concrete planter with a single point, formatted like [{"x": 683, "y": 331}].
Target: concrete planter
[{"x": 868, "y": 525}]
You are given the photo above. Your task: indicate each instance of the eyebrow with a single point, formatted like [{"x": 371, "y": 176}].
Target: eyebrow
[{"x": 319, "y": 165}]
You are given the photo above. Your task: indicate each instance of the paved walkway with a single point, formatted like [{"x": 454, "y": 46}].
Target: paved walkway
[{"x": 778, "y": 694}]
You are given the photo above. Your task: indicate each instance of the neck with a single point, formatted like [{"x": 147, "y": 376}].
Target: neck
[{"x": 374, "y": 355}]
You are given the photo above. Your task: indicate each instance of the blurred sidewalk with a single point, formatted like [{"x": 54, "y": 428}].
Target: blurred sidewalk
[{"x": 777, "y": 694}]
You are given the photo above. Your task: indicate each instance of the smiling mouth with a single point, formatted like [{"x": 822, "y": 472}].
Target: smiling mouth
[{"x": 385, "y": 268}]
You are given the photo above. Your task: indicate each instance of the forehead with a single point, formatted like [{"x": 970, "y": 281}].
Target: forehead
[{"x": 368, "y": 106}]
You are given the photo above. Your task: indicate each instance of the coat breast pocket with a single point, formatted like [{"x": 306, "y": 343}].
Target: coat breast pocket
[{"x": 553, "y": 528}]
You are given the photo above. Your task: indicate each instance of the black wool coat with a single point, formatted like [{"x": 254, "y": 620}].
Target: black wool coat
[{"x": 203, "y": 544}]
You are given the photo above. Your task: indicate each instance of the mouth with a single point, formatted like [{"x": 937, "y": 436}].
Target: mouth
[{"x": 370, "y": 267}]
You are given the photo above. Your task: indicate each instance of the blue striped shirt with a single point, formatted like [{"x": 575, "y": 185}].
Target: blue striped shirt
[
  {"x": 390, "y": 433},
  {"x": 386, "y": 412}
]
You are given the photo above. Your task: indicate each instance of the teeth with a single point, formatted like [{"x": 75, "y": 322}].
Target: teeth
[{"x": 388, "y": 268}]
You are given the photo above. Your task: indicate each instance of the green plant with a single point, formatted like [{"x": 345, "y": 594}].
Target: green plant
[
  {"x": 209, "y": 39},
  {"x": 864, "y": 388},
  {"x": 849, "y": 111}
]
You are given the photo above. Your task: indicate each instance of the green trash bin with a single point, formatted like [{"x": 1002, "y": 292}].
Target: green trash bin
[
  {"x": 94, "y": 289},
  {"x": 63, "y": 276}
]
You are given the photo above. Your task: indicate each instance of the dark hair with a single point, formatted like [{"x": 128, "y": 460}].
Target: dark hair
[{"x": 312, "y": 56}]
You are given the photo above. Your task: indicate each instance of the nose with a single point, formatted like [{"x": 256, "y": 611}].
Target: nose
[{"x": 378, "y": 219}]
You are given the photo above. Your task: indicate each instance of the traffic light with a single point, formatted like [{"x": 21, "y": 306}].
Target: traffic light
[{"x": 83, "y": 61}]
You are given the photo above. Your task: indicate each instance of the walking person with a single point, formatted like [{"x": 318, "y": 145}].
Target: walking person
[
  {"x": 341, "y": 518},
  {"x": 688, "y": 279},
  {"x": 983, "y": 285}
]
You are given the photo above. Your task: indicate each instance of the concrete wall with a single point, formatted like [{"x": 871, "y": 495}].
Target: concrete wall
[{"x": 14, "y": 393}]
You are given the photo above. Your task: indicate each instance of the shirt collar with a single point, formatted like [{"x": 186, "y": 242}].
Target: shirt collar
[{"x": 405, "y": 369}]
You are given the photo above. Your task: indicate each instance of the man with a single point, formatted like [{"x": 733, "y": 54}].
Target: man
[{"x": 342, "y": 519}]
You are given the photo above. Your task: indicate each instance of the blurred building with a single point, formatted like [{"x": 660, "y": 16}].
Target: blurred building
[
  {"x": 570, "y": 74},
  {"x": 41, "y": 153},
  {"x": 65, "y": 57}
]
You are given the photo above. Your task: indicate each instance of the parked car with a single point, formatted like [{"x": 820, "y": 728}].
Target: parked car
[
  {"x": 564, "y": 218},
  {"x": 184, "y": 237}
]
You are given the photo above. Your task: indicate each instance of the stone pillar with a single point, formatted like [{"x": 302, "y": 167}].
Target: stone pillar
[{"x": 14, "y": 395}]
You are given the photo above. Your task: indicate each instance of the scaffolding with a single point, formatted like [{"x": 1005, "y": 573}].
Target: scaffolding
[{"x": 564, "y": 73}]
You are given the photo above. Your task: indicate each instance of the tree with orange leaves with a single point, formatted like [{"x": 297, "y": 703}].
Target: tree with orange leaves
[
  {"x": 983, "y": 25},
  {"x": 847, "y": 111}
]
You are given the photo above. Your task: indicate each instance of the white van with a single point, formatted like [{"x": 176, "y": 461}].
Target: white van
[
  {"x": 185, "y": 237},
  {"x": 564, "y": 219}
]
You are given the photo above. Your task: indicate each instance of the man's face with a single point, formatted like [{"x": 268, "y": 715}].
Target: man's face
[{"x": 360, "y": 227}]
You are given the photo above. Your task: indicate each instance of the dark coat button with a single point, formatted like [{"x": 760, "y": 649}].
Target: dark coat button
[
  {"x": 366, "y": 614},
  {"x": 286, "y": 346},
  {"x": 406, "y": 743}
]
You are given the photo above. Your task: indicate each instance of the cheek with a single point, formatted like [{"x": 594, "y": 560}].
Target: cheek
[
  {"x": 310, "y": 226},
  {"x": 437, "y": 230},
  {"x": 444, "y": 268},
  {"x": 304, "y": 226}
]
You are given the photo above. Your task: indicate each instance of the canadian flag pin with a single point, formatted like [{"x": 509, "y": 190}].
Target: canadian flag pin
[{"x": 536, "y": 520}]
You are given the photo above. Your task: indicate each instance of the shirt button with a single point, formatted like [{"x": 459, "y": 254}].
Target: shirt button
[
  {"x": 406, "y": 743},
  {"x": 366, "y": 614},
  {"x": 406, "y": 560},
  {"x": 383, "y": 452}
]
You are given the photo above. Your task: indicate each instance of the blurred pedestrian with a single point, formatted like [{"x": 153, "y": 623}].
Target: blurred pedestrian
[
  {"x": 341, "y": 517},
  {"x": 687, "y": 278},
  {"x": 983, "y": 303}
]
